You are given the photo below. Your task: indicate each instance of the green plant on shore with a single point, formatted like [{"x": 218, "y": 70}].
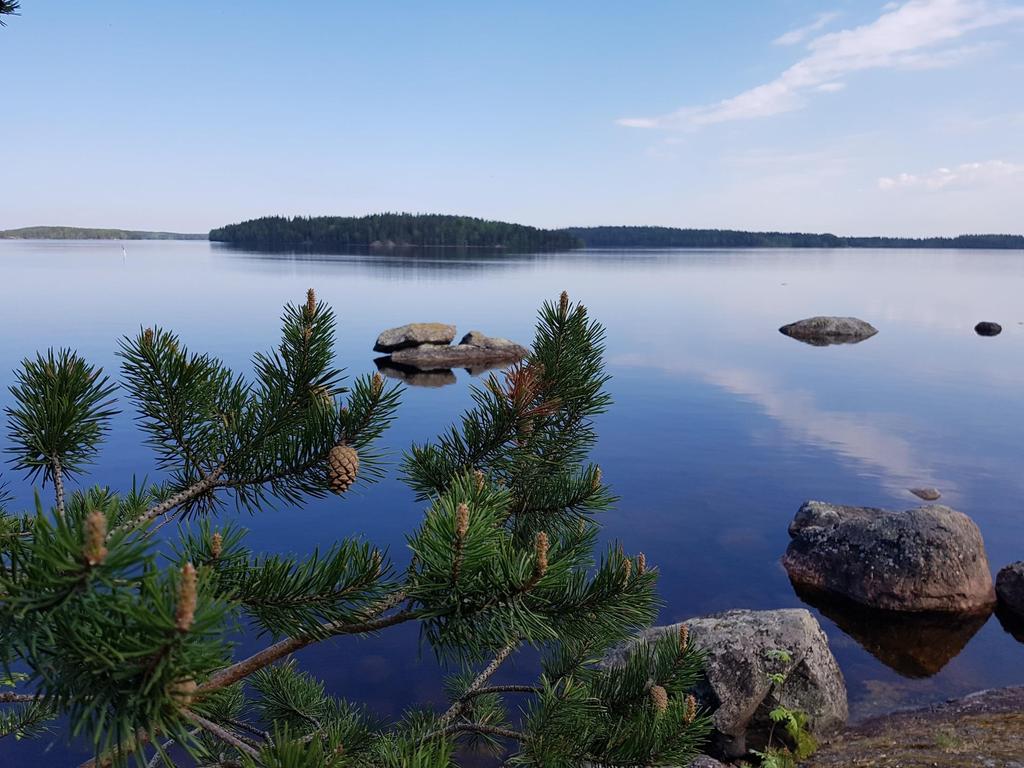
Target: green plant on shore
[
  {"x": 802, "y": 743},
  {"x": 126, "y": 635}
]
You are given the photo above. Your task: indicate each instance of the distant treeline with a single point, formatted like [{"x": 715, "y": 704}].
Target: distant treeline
[
  {"x": 672, "y": 237},
  {"x": 87, "y": 233},
  {"x": 391, "y": 230}
]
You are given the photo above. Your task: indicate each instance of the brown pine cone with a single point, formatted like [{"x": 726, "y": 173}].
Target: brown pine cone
[{"x": 342, "y": 468}]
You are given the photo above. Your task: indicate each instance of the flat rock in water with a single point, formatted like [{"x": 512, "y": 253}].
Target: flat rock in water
[
  {"x": 413, "y": 335},
  {"x": 986, "y": 328},
  {"x": 825, "y": 330},
  {"x": 1010, "y": 589},
  {"x": 742, "y": 651},
  {"x": 927, "y": 494},
  {"x": 931, "y": 558},
  {"x": 475, "y": 351}
]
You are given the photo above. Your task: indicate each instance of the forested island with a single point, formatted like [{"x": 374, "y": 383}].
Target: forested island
[
  {"x": 91, "y": 233},
  {"x": 673, "y": 237},
  {"x": 392, "y": 230}
]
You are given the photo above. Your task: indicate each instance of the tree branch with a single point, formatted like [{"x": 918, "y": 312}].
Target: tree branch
[
  {"x": 221, "y": 733},
  {"x": 17, "y": 698},
  {"x": 489, "y": 730},
  {"x": 272, "y": 653},
  {"x": 58, "y": 485},
  {"x": 460, "y": 704},
  {"x": 183, "y": 496}
]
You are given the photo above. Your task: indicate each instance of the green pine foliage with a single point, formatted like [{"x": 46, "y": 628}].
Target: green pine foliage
[{"x": 127, "y": 636}]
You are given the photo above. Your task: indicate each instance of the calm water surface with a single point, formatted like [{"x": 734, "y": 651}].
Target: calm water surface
[{"x": 722, "y": 427}]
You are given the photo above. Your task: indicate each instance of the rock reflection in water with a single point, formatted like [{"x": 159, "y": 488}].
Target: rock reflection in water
[
  {"x": 916, "y": 645},
  {"x": 414, "y": 376},
  {"x": 439, "y": 377},
  {"x": 1013, "y": 625}
]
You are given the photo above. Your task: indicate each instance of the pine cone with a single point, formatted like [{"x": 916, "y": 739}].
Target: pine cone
[{"x": 342, "y": 467}]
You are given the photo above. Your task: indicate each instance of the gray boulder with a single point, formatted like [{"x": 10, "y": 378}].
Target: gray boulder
[
  {"x": 823, "y": 331},
  {"x": 931, "y": 558},
  {"x": 1010, "y": 589},
  {"x": 742, "y": 651},
  {"x": 483, "y": 341},
  {"x": 413, "y": 335}
]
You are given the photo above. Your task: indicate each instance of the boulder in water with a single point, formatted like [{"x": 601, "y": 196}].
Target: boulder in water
[
  {"x": 414, "y": 335},
  {"x": 986, "y": 328},
  {"x": 931, "y": 558},
  {"x": 825, "y": 330}
]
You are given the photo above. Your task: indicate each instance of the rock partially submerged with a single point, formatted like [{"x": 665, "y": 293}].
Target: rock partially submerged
[
  {"x": 931, "y": 558},
  {"x": 476, "y": 350},
  {"x": 413, "y": 335},
  {"x": 742, "y": 651},
  {"x": 823, "y": 330},
  {"x": 986, "y": 328},
  {"x": 1010, "y": 589},
  {"x": 927, "y": 494}
]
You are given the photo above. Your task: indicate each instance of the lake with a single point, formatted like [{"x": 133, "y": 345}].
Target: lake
[{"x": 721, "y": 426}]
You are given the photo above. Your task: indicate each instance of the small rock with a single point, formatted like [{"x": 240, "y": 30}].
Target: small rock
[
  {"x": 740, "y": 647},
  {"x": 413, "y": 335},
  {"x": 1010, "y": 589},
  {"x": 482, "y": 340},
  {"x": 706, "y": 762},
  {"x": 930, "y": 558},
  {"x": 986, "y": 328},
  {"x": 822, "y": 331},
  {"x": 927, "y": 494}
]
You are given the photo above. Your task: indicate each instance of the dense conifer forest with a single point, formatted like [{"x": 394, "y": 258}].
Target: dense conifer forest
[
  {"x": 433, "y": 230},
  {"x": 391, "y": 229},
  {"x": 673, "y": 237}
]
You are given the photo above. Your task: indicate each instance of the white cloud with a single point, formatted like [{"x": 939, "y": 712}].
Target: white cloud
[
  {"x": 800, "y": 34},
  {"x": 962, "y": 176},
  {"x": 916, "y": 34},
  {"x": 832, "y": 87}
]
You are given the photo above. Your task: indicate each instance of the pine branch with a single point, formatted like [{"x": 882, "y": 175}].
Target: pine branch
[
  {"x": 460, "y": 704},
  {"x": 182, "y": 497},
  {"x": 269, "y": 655},
  {"x": 58, "y": 484},
  {"x": 221, "y": 733}
]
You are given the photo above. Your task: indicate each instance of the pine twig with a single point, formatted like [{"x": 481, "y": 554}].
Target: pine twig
[
  {"x": 460, "y": 704},
  {"x": 221, "y": 733},
  {"x": 17, "y": 698},
  {"x": 185, "y": 495},
  {"x": 58, "y": 485}
]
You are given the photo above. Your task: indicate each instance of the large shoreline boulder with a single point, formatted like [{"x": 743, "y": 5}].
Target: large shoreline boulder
[
  {"x": 743, "y": 648},
  {"x": 826, "y": 330},
  {"x": 413, "y": 335},
  {"x": 930, "y": 558}
]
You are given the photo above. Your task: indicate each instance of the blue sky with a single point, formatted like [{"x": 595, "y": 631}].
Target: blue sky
[{"x": 850, "y": 117}]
